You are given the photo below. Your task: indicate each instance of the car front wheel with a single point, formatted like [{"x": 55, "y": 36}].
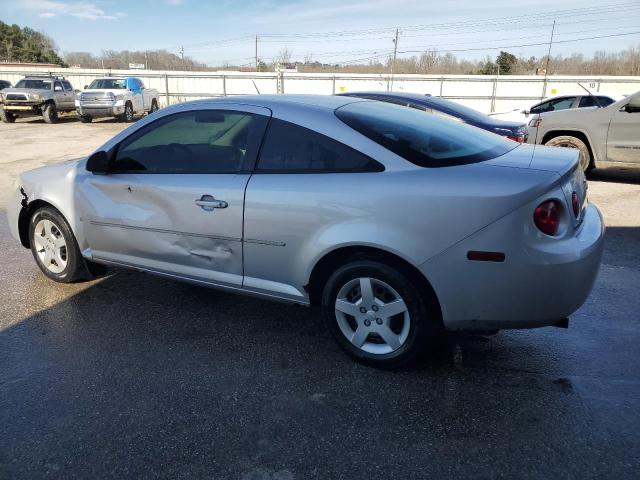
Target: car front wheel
[
  {"x": 7, "y": 117},
  {"x": 378, "y": 314},
  {"x": 54, "y": 247},
  {"x": 50, "y": 113}
]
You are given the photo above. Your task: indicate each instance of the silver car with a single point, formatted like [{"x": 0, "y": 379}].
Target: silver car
[{"x": 398, "y": 223}]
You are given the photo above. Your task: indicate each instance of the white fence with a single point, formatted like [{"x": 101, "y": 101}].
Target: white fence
[{"x": 482, "y": 92}]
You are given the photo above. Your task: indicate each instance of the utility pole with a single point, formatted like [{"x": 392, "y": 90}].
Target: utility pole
[
  {"x": 182, "y": 55},
  {"x": 546, "y": 68},
  {"x": 393, "y": 63},
  {"x": 257, "y": 66}
]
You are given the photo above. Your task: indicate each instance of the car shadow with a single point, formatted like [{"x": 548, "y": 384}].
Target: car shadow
[{"x": 615, "y": 174}]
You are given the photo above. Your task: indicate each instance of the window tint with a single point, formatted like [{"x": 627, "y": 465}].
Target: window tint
[
  {"x": 290, "y": 148},
  {"x": 425, "y": 140},
  {"x": 591, "y": 101},
  {"x": 203, "y": 141},
  {"x": 67, "y": 85},
  {"x": 554, "y": 105}
]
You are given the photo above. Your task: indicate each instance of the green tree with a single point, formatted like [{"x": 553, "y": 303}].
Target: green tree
[{"x": 26, "y": 45}]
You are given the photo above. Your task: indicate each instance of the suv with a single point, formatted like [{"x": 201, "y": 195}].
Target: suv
[
  {"x": 44, "y": 96},
  {"x": 602, "y": 135}
]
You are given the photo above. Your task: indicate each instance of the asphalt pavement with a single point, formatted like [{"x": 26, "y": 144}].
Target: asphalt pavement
[{"x": 132, "y": 376}]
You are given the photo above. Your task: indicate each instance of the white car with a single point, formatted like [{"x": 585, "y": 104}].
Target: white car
[
  {"x": 122, "y": 98},
  {"x": 554, "y": 104},
  {"x": 602, "y": 135}
]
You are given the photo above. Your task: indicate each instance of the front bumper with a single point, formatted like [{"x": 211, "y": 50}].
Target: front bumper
[
  {"x": 538, "y": 284},
  {"x": 23, "y": 108},
  {"x": 14, "y": 207},
  {"x": 96, "y": 111}
]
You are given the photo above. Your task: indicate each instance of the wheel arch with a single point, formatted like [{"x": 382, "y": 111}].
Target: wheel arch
[
  {"x": 331, "y": 260},
  {"x": 25, "y": 215},
  {"x": 582, "y": 135}
]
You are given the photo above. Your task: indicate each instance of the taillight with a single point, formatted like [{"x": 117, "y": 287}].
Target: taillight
[
  {"x": 535, "y": 122},
  {"x": 547, "y": 217},
  {"x": 575, "y": 204},
  {"x": 519, "y": 138}
]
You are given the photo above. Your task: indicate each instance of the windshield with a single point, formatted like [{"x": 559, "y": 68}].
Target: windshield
[
  {"x": 35, "y": 84},
  {"x": 108, "y": 84},
  {"x": 425, "y": 140}
]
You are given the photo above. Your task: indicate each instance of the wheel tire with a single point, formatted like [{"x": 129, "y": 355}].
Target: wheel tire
[
  {"x": 50, "y": 113},
  {"x": 154, "y": 106},
  {"x": 424, "y": 325},
  {"x": 127, "y": 116},
  {"x": 85, "y": 118},
  {"x": 568, "y": 141},
  {"x": 71, "y": 266},
  {"x": 7, "y": 117}
]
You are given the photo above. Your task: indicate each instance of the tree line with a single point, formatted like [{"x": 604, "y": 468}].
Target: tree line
[{"x": 26, "y": 45}]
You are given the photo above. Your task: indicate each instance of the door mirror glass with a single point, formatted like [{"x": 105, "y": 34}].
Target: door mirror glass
[
  {"x": 57, "y": 88},
  {"x": 98, "y": 163}
]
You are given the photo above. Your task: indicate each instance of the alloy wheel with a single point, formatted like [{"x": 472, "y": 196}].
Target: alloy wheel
[
  {"x": 50, "y": 246},
  {"x": 372, "y": 315}
]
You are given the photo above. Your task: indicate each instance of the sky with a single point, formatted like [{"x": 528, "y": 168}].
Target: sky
[{"x": 331, "y": 31}]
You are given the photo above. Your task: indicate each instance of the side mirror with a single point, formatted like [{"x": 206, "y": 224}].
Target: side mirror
[
  {"x": 633, "y": 105},
  {"x": 526, "y": 112},
  {"x": 86, "y": 86},
  {"x": 57, "y": 88},
  {"x": 98, "y": 163}
]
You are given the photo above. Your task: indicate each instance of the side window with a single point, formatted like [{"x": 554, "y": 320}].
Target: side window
[
  {"x": 140, "y": 84},
  {"x": 290, "y": 148},
  {"x": 57, "y": 86},
  {"x": 605, "y": 101},
  {"x": 67, "y": 86},
  {"x": 201, "y": 141},
  {"x": 588, "y": 102}
]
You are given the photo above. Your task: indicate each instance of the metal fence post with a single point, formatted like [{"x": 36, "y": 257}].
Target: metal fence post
[
  {"x": 441, "y": 85},
  {"x": 333, "y": 85},
  {"x": 493, "y": 95},
  {"x": 166, "y": 87},
  {"x": 224, "y": 85}
]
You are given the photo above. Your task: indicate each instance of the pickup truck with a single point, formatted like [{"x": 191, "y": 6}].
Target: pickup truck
[
  {"x": 122, "y": 98},
  {"x": 602, "y": 135},
  {"x": 44, "y": 96}
]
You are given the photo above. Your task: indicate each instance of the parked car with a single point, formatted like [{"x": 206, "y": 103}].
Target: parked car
[
  {"x": 610, "y": 134},
  {"x": 561, "y": 102},
  {"x": 45, "y": 96},
  {"x": 440, "y": 106},
  {"x": 122, "y": 98},
  {"x": 4, "y": 84},
  {"x": 399, "y": 224}
]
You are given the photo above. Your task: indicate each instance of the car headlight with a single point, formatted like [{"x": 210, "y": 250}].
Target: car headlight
[
  {"x": 120, "y": 96},
  {"x": 34, "y": 96}
]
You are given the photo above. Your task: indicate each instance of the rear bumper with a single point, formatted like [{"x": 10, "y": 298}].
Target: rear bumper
[{"x": 537, "y": 285}]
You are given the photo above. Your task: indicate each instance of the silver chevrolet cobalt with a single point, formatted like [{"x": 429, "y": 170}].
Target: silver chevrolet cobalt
[{"x": 400, "y": 224}]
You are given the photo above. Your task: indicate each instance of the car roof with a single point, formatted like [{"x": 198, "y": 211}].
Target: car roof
[{"x": 329, "y": 102}]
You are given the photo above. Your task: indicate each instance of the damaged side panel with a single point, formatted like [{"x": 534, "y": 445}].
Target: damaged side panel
[{"x": 154, "y": 222}]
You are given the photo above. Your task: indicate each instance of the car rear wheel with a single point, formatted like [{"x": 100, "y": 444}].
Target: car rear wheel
[
  {"x": 49, "y": 113},
  {"x": 568, "y": 141},
  {"x": 54, "y": 247},
  {"x": 154, "y": 106},
  {"x": 378, "y": 315},
  {"x": 7, "y": 117}
]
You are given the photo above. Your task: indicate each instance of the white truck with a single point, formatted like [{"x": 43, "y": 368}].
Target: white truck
[{"x": 122, "y": 98}]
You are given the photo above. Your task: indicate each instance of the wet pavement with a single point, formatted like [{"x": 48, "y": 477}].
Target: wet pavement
[{"x": 133, "y": 376}]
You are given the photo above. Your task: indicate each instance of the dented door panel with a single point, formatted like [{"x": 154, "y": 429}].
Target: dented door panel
[{"x": 153, "y": 222}]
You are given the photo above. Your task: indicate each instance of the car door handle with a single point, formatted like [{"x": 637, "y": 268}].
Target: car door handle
[{"x": 208, "y": 203}]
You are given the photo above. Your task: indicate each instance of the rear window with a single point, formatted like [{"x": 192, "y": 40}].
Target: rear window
[{"x": 421, "y": 138}]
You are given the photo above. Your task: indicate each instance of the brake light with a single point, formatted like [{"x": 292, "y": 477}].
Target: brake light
[
  {"x": 547, "y": 217},
  {"x": 519, "y": 138},
  {"x": 575, "y": 204},
  {"x": 535, "y": 122}
]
